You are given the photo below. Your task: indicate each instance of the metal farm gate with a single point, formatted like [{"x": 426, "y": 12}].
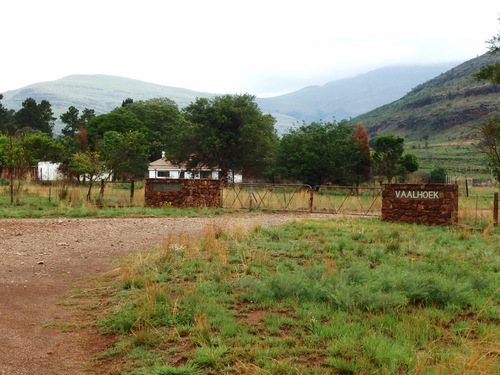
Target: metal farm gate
[{"x": 327, "y": 199}]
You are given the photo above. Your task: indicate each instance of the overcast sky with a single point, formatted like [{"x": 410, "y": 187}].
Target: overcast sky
[{"x": 263, "y": 47}]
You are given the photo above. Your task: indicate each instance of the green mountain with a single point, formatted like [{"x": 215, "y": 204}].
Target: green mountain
[
  {"x": 439, "y": 118},
  {"x": 446, "y": 108},
  {"x": 350, "y": 97},
  {"x": 340, "y": 99},
  {"x": 102, "y": 93}
]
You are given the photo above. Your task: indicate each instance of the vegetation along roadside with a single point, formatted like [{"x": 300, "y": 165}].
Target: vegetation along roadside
[{"x": 311, "y": 297}]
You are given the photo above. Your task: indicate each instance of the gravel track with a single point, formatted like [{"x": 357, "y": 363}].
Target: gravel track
[{"x": 42, "y": 260}]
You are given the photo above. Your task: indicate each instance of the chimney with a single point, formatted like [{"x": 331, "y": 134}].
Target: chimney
[{"x": 163, "y": 154}]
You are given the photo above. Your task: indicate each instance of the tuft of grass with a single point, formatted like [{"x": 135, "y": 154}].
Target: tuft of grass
[{"x": 189, "y": 369}]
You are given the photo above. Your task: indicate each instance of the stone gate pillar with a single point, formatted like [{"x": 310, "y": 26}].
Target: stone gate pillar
[{"x": 432, "y": 204}]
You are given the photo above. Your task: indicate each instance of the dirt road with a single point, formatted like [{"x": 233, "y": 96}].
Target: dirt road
[{"x": 42, "y": 261}]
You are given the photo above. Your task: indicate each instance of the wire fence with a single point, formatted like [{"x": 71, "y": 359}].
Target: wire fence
[
  {"x": 328, "y": 199},
  {"x": 476, "y": 204}
]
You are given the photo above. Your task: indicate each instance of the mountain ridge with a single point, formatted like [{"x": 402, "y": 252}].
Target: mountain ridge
[
  {"x": 349, "y": 97},
  {"x": 105, "y": 92},
  {"x": 452, "y": 101},
  {"x": 439, "y": 119}
]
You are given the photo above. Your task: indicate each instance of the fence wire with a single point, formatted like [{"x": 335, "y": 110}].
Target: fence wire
[
  {"x": 328, "y": 199},
  {"x": 267, "y": 197},
  {"x": 348, "y": 199}
]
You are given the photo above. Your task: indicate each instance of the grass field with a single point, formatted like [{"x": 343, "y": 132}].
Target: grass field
[
  {"x": 347, "y": 295},
  {"x": 459, "y": 158},
  {"x": 314, "y": 297},
  {"x": 49, "y": 201}
]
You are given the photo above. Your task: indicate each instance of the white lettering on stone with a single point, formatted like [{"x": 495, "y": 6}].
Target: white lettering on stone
[{"x": 416, "y": 194}]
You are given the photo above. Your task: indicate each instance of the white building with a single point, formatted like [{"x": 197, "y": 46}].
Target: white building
[
  {"x": 162, "y": 168},
  {"x": 48, "y": 171}
]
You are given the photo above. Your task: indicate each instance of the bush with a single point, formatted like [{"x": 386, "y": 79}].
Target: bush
[{"x": 438, "y": 175}]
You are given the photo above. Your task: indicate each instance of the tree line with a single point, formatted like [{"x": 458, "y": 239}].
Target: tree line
[{"x": 227, "y": 132}]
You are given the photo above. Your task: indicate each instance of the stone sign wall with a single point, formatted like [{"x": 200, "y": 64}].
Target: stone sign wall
[
  {"x": 433, "y": 204},
  {"x": 182, "y": 192}
]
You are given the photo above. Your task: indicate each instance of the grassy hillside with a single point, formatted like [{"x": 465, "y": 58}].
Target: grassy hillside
[
  {"x": 443, "y": 108},
  {"x": 439, "y": 118},
  {"x": 99, "y": 92}
]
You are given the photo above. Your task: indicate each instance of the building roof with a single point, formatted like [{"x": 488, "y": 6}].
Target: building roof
[{"x": 164, "y": 164}]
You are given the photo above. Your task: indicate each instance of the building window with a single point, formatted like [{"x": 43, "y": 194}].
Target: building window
[
  {"x": 206, "y": 174},
  {"x": 163, "y": 174}
]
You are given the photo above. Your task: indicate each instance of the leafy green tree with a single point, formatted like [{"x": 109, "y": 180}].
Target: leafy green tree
[
  {"x": 408, "y": 164},
  {"x": 74, "y": 121},
  {"x": 228, "y": 132},
  {"x": 21, "y": 153},
  {"x": 491, "y": 72},
  {"x": 70, "y": 146},
  {"x": 3, "y": 115},
  {"x": 42, "y": 147},
  {"x": 490, "y": 144},
  {"x": 126, "y": 155},
  {"x": 8, "y": 125},
  {"x": 90, "y": 165},
  {"x": 71, "y": 118},
  {"x": 127, "y": 102},
  {"x": 318, "y": 153},
  {"x": 163, "y": 119},
  {"x": 4, "y": 143},
  {"x": 4, "y": 140},
  {"x": 389, "y": 159},
  {"x": 118, "y": 122},
  {"x": 87, "y": 115},
  {"x": 35, "y": 116}
]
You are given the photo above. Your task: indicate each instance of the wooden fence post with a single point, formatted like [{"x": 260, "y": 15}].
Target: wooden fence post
[
  {"x": 495, "y": 210},
  {"x": 311, "y": 200}
]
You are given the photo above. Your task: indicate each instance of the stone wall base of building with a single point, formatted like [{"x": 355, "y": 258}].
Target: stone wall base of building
[{"x": 182, "y": 192}]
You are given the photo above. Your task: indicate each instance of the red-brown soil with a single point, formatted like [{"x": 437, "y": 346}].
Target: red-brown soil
[{"x": 43, "y": 261}]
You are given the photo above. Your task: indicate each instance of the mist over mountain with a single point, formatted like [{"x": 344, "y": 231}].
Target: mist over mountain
[
  {"x": 340, "y": 99},
  {"x": 351, "y": 97},
  {"x": 439, "y": 119},
  {"x": 447, "y": 107}
]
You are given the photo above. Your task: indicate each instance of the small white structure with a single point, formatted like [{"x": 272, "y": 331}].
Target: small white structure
[
  {"x": 162, "y": 168},
  {"x": 48, "y": 171}
]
